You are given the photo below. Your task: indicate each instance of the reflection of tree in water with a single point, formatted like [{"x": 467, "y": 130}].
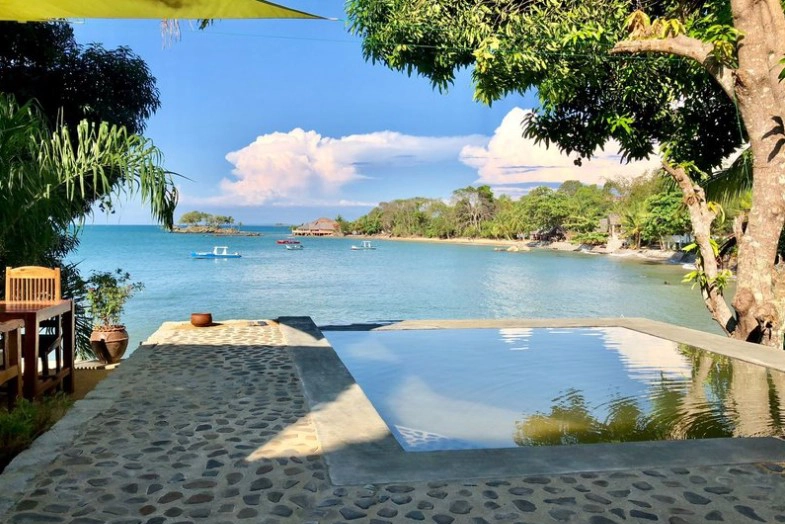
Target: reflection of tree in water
[
  {"x": 571, "y": 422},
  {"x": 722, "y": 398}
]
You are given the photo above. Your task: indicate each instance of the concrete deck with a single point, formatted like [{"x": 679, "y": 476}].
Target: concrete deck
[{"x": 214, "y": 425}]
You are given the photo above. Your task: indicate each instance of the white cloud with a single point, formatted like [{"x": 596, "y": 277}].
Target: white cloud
[
  {"x": 299, "y": 167},
  {"x": 305, "y": 168},
  {"x": 225, "y": 199},
  {"x": 514, "y": 192},
  {"x": 508, "y": 158},
  {"x": 324, "y": 203}
]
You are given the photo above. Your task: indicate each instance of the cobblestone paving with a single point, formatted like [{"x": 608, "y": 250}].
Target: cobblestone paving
[{"x": 215, "y": 429}]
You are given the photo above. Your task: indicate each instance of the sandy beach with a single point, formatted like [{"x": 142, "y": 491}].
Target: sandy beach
[{"x": 649, "y": 255}]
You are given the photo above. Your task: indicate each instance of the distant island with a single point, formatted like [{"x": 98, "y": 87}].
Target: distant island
[{"x": 197, "y": 222}]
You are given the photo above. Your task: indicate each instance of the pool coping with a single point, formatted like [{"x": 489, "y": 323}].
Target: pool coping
[{"x": 360, "y": 449}]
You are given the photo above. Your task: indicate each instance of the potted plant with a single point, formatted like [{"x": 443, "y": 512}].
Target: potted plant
[{"x": 107, "y": 293}]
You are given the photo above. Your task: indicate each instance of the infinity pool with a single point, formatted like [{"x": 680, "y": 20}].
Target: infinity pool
[{"x": 447, "y": 389}]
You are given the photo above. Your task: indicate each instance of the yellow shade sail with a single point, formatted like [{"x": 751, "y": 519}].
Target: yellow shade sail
[{"x": 32, "y": 10}]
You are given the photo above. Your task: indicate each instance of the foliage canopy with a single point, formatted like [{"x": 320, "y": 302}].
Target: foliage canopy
[{"x": 562, "y": 48}]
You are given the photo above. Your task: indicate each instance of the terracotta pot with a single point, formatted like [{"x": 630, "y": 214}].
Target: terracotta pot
[
  {"x": 201, "y": 319},
  {"x": 109, "y": 343}
]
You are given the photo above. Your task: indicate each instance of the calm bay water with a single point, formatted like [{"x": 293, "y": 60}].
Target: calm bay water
[{"x": 399, "y": 280}]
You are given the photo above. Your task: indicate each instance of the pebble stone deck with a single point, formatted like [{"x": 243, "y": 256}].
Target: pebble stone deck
[{"x": 212, "y": 427}]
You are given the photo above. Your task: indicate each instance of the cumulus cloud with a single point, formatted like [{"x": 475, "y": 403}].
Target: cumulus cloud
[
  {"x": 304, "y": 166},
  {"x": 514, "y": 192},
  {"x": 508, "y": 158}
]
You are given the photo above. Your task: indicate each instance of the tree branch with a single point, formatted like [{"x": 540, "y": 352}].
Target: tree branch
[
  {"x": 701, "y": 218},
  {"x": 687, "y": 47}
]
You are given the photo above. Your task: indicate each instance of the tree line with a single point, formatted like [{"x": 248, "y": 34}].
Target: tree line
[{"x": 648, "y": 208}]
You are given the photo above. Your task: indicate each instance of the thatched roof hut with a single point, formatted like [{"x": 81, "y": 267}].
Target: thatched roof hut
[{"x": 322, "y": 227}]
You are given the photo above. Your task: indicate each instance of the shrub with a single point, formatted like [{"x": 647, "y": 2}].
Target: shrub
[
  {"x": 107, "y": 293},
  {"x": 20, "y": 426},
  {"x": 592, "y": 239}
]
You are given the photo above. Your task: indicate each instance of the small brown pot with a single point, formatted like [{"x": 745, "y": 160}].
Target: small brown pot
[
  {"x": 109, "y": 343},
  {"x": 201, "y": 319}
]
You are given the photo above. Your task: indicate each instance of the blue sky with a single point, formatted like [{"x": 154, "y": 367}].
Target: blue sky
[{"x": 284, "y": 121}]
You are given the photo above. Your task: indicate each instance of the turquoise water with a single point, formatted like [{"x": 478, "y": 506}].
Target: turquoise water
[
  {"x": 447, "y": 389},
  {"x": 399, "y": 280}
]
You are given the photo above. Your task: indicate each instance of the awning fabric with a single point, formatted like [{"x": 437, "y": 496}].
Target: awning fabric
[{"x": 32, "y": 10}]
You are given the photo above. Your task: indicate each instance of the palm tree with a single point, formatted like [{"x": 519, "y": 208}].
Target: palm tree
[
  {"x": 634, "y": 219},
  {"x": 49, "y": 181}
]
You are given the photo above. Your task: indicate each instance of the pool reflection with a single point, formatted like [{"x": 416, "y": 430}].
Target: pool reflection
[{"x": 491, "y": 388}]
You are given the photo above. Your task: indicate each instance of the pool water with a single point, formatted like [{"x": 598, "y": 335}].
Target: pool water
[{"x": 449, "y": 389}]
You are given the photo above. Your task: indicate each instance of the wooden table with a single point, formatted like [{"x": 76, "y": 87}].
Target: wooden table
[{"x": 32, "y": 313}]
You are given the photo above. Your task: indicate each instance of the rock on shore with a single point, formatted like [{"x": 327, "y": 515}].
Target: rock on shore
[{"x": 216, "y": 231}]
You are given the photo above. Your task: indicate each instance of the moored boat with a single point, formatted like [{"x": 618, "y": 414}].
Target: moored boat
[
  {"x": 217, "y": 252},
  {"x": 294, "y": 247},
  {"x": 366, "y": 245},
  {"x": 287, "y": 241}
]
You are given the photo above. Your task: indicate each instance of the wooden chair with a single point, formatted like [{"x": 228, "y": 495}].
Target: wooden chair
[
  {"x": 39, "y": 284},
  {"x": 32, "y": 284},
  {"x": 11, "y": 363}
]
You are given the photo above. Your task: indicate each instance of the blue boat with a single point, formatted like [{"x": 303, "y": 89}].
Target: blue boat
[{"x": 217, "y": 252}]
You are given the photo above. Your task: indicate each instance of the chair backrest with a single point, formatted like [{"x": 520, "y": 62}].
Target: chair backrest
[{"x": 32, "y": 284}]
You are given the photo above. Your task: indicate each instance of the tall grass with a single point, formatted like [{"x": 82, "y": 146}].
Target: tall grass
[{"x": 20, "y": 426}]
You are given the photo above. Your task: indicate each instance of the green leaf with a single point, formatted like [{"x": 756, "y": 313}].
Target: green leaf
[{"x": 782, "y": 73}]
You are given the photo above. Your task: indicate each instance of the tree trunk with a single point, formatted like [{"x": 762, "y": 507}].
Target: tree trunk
[
  {"x": 760, "y": 95},
  {"x": 701, "y": 218},
  {"x": 761, "y": 98}
]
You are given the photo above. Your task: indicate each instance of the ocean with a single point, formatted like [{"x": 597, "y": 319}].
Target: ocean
[{"x": 331, "y": 283}]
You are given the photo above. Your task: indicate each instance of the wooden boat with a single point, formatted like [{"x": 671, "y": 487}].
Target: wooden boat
[{"x": 217, "y": 252}]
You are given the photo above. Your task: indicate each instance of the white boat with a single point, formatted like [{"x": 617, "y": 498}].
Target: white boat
[
  {"x": 366, "y": 245},
  {"x": 217, "y": 252},
  {"x": 293, "y": 247}
]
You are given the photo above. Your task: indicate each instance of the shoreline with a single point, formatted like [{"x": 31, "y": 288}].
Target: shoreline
[{"x": 521, "y": 246}]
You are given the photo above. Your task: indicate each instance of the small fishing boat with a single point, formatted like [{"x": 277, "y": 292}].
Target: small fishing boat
[
  {"x": 217, "y": 252},
  {"x": 366, "y": 245},
  {"x": 287, "y": 241},
  {"x": 294, "y": 247}
]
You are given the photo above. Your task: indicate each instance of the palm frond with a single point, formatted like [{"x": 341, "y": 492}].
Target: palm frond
[{"x": 728, "y": 185}]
